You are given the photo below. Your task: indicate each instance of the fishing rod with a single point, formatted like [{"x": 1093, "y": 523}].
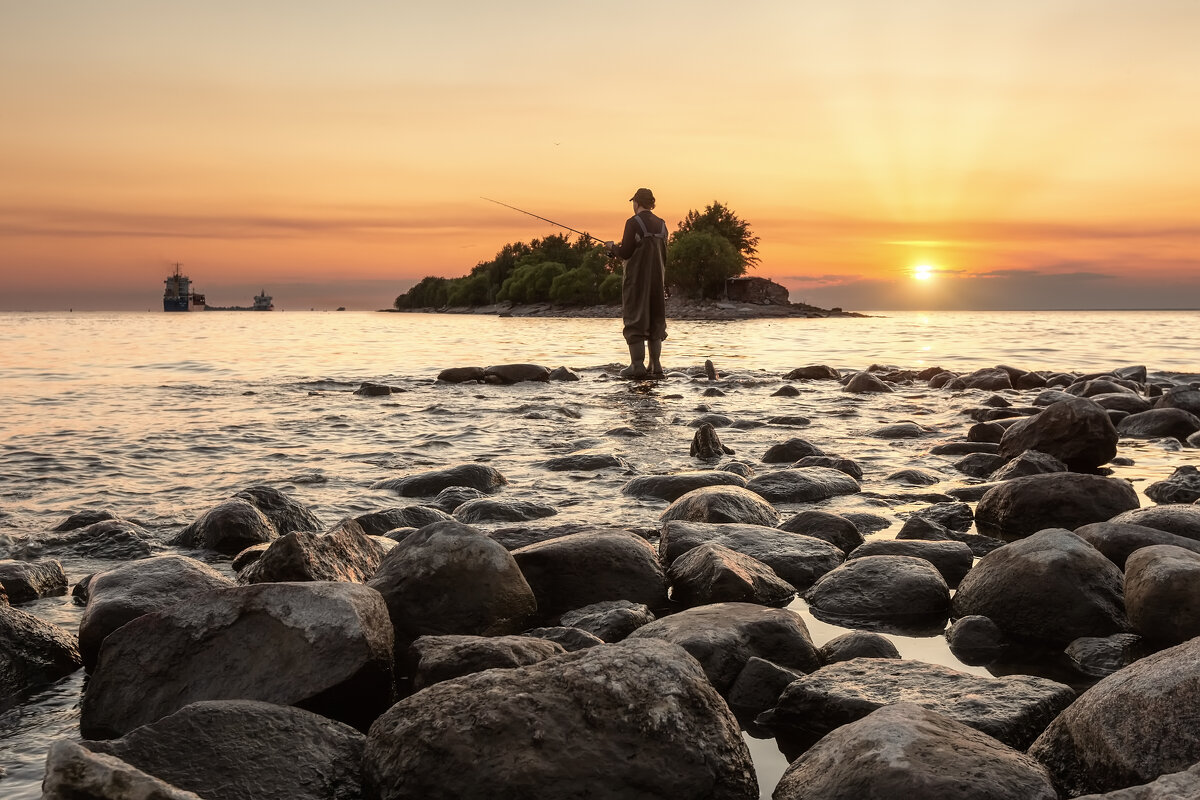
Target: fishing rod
[{"x": 543, "y": 219}]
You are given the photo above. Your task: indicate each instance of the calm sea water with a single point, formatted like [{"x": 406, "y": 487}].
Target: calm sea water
[{"x": 158, "y": 417}]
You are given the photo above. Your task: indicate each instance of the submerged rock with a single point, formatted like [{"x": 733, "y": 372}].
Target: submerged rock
[
  {"x": 672, "y": 487},
  {"x": 632, "y": 719},
  {"x": 722, "y": 504},
  {"x": 585, "y": 462},
  {"x": 803, "y": 485},
  {"x": 461, "y": 374},
  {"x": 110, "y": 539},
  {"x": 427, "y": 484},
  {"x": 905, "y": 750},
  {"x": 516, "y": 373}
]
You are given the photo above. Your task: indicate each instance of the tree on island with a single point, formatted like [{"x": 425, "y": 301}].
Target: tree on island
[{"x": 708, "y": 248}]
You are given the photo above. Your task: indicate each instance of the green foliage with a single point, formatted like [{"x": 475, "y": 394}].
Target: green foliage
[
  {"x": 699, "y": 262},
  {"x": 472, "y": 290},
  {"x": 530, "y": 283},
  {"x": 718, "y": 219},
  {"x": 576, "y": 287},
  {"x": 429, "y": 292},
  {"x": 610, "y": 287}
]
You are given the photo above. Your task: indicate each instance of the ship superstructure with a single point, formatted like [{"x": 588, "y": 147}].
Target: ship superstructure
[{"x": 178, "y": 295}]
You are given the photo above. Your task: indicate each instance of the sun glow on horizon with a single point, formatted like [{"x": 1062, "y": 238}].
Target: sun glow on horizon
[{"x": 922, "y": 272}]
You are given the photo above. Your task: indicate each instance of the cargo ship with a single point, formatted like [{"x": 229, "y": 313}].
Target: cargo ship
[{"x": 178, "y": 295}]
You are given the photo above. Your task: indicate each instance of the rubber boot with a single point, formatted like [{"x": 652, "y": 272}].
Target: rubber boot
[
  {"x": 637, "y": 361},
  {"x": 656, "y": 369}
]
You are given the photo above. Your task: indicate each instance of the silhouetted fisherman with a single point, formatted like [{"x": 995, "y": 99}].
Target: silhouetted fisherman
[{"x": 643, "y": 293}]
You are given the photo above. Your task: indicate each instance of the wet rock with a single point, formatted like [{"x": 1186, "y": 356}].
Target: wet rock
[
  {"x": 228, "y": 528},
  {"x": 1052, "y": 587},
  {"x": 427, "y": 484},
  {"x": 434, "y": 659},
  {"x": 1077, "y": 432},
  {"x": 802, "y": 485},
  {"x": 1177, "y": 518},
  {"x": 461, "y": 374},
  {"x": 584, "y": 568},
  {"x": 712, "y": 573},
  {"x": 74, "y": 772},
  {"x": 1175, "y": 786},
  {"x": 322, "y": 646},
  {"x": 707, "y": 445},
  {"x": 1098, "y": 386},
  {"x": 758, "y": 686},
  {"x": 919, "y": 529},
  {"x": 791, "y": 450},
  {"x": 1101, "y": 656},
  {"x": 905, "y": 750},
  {"x": 798, "y": 559},
  {"x": 122, "y": 594},
  {"x": 32, "y": 652},
  {"x": 28, "y": 580},
  {"x": 1118, "y": 540},
  {"x": 975, "y": 639},
  {"x": 713, "y": 391},
  {"x": 516, "y": 373},
  {"x": 815, "y": 372},
  {"x": 950, "y": 558},
  {"x": 82, "y": 519},
  {"x": 1183, "y": 486},
  {"x": 845, "y": 465},
  {"x": 1186, "y": 398},
  {"x": 285, "y": 514},
  {"x": 988, "y": 380},
  {"x": 1052, "y": 396},
  {"x": 570, "y": 639},
  {"x": 1013, "y": 709},
  {"x": 611, "y": 620},
  {"x": 343, "y": 554},
  {"x": 585, "y": 462},
  {"x": 715, "y": 420},
  {"x": 237, "y": 749},
  {"x": 857, "y": 644},
  {"x": 672, "y": 487},
  {"x": 786, "y": 391},
  {"x": 1162, "y": 594},
  {"x": 1159, "y": 422},
  {"x": 866, "y": 383},
  {"x": 368, "y": 389},
  {"x": 722, "y": 504},
  {"x": 724, "y": 636},
  {"x": 1022, "y": 506},
  {"x": 955, "y": 516},
  {"x": 710, "y": 371},
  {"x": 979, "y": 465},
  {"x": 566, "y": 726},
  {"x": 490, "y": 595},
  {"x": 1128, "y": 729},
  {"x": 833, "y": 528},
  {"x": 881, "y": 587},
  {"x": 1031, "y": 462},
  {"x": 991, "y": 432},
  {"x": 490, "y": 509},
  {"x": 563, "y": 374},
  {"x": 378, "y": 523},
  {"x": 963, "y": 448},
  {"x": 901, "y": 430},
  {"x": 113, "y": 539},
  {"x": 451, "y": 498},
  {"x": 1122, "y": 401},
  {"x": 915, "y": 477}
]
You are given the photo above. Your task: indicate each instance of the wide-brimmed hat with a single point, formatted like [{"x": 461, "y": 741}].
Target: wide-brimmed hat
[{"x": 644, "y": 198}]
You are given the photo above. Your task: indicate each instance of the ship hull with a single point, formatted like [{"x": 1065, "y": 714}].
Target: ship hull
[{"x": 175, "y": 304}]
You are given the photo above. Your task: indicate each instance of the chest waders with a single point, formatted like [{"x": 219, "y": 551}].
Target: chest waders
[{"x": 643, "y": 304}]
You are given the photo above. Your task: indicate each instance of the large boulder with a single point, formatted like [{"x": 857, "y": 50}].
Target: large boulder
[
  {"x": 228, "y": 528},
  {"x": 635, "y": 719},
  {"x": 124, "y": 593},
  {"x": 1162, "y": 593},
  {"x": 378, "y": 523},
  {"x": 428, "y": 484},
  {"x": 1118, "y": 540},
  {"x": 904, "y": 750},
  {"x": 1077, "y": 432},
  {"x": 32, "y": 652},
  {"x": 722, "y": 504},
  {"x": 866, "y": 383},
  {"x": 285, "y": 514},
  {"x": 1130, "y": 728},
  {"x": 833, "y": 528},
  {"x": 857, "y": 644},
  {"x": 1031, "y": 462},
  {"x": 724, "y": 636},
  {"x": 611, "y": 620},
  {"x": 28, "y": 580},
  {"x": 800, "y": 560},
  {"x": 238, "y": 749},
  {"x": 1050, "y": 588},
  {"x": 584, "y": 568},
  {"x": 450, "y": 578},
  {"x": 322, "y": 646},
  {"x": 1022, "y": 506},
  {"x": 1181, "y": 519},
  {"x": 802, "y": 485},
  {"x": 1185, "y": 397},
  {"x": 1013, "y": 709},
  {"x": 1160, "y": 422},
  {"x": 75, "y": 773},
  {"x": 1182, "y": 486},
  {"x": 672, "y": 487},
  {"x": 881, "y": 587},
  {"x": 813, "y": 372},
  {"x": 1175, "y": 786},
  {"x": 434, "y": 659},
  {"x": 516, "y": 373},
  {"x": 791, "y": 450},
  {"x": 343, "y": 554},
  {"x": 950, "y": 558},
  {"x": 712, "y": 573}
]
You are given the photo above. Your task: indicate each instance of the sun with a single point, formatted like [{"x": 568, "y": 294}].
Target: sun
[{"x": 922, "y": 272}]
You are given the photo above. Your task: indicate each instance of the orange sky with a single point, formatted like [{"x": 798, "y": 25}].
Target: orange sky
[{"x": 1034, "y": 154}]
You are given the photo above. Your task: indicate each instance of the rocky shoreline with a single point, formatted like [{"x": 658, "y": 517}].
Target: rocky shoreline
[
  {"x": 451, "y": 646},
  {"x": 677, "y": 308}
]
